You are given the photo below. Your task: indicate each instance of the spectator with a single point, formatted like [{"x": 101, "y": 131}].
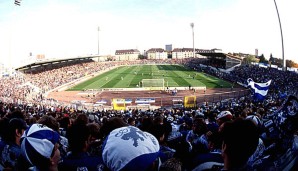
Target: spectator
[
  {"x": 224, "y": 116},
  {"x": 197, "y": 136},
  {"x": 64, "y": 123},
  {"x": 213, "y": 158},
  {"x": 110, "y": 125},
  {"x": 159, "y": 132},
  {"x": 4, "y": 134},
  {"x": 172, "y": 136},
  {"x": 158, "y": 120},
  {"x": 261, "y": 146},
  {"x": 12, "y": 150},
  {"x": 39, "y": 146},
  {"x": 240, "y": 140},
  {"x": 78, "y": 158},
  {"x": 131, "y": 121},
  {"x": 281, "y": 128},
  {"x": 32, "y": 120},
  {"x": 171, "y": 164},
  {"x": 52, "y": 123},
  {"x": 95, "y": 141},
  {"x": 211, "y": 123},
  {"x": 129, "y": 148},
  {"x": 81, "y": 119},
  {"x": 146, "y": 123}
]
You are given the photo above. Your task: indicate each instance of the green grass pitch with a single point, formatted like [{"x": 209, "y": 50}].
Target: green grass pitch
[{"x": 130, "y": 76}]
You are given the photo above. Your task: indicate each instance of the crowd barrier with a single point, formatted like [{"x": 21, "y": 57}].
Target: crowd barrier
[{"x": 168, "y": 101}]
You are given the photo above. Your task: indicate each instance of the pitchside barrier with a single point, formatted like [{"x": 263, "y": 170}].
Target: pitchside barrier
[
  {"x": 121, "y": 104},
  {"x": 169, "y": 101},
  {"x": 178, "y": 103},
  {"x": 166, "y": 101}
]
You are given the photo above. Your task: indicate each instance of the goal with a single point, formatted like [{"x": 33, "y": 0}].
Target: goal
[{"x": 157, "y": 84}]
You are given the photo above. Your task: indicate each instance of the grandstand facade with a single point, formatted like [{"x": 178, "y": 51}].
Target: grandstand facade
[
  {"x": 220, "y": 60},
  {"x": 127, "y": 54},
  {"x": 157, "y": 53}
]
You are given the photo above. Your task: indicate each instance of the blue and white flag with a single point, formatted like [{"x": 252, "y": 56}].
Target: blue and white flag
[{"x": 260, "y": 89}]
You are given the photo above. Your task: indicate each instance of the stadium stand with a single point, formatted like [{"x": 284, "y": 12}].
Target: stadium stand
[{"x": 190, "y": 129}]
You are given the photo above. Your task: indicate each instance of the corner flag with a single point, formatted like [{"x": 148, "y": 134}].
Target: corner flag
[{"x": 260, "y": 89}]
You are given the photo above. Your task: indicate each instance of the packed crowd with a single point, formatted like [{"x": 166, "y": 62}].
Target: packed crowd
[
  {"x": 283, "y": 82},
  {"x": 238, "y": 134},
  {"x": 31, "y": 86},
  {"x": 186, "y": 139},
  {"x": 14, "y": 88}
]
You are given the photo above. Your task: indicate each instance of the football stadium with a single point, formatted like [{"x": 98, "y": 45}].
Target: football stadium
[
  {"x": 178, "y": 109},
  {"x": 173, "y": 94}
]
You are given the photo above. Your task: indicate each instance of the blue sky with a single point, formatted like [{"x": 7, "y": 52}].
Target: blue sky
[{"x": 68, "y": 28}]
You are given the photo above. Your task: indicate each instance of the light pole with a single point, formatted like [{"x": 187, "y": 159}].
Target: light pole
[
  {"x": 282, "y": 41},
  {"x": 193, "y": 39},
  {"x": 98, "y": 29}
]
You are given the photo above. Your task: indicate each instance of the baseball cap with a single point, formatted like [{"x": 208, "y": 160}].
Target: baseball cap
[
  {"x": 37, "y": 142},
  {"x": 129, "y": 148},
  {"x": 257, "y": 121},
  {"x": 224, "y": 114}
]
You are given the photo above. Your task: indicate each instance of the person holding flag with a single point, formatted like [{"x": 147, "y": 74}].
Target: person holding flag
[{"x": 260, "y": 90}]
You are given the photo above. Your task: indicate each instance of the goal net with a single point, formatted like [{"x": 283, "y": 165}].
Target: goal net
[{"x": 157, "y": 84}]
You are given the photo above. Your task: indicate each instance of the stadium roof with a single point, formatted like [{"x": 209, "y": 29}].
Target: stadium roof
[
  {"x": 213, "y": 54},
  {"x": 223, "y": 55},
  {"x": 48, "y": 62}
]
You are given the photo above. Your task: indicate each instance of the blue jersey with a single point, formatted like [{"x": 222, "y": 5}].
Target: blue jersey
[
  {"x": 82, "y": 162},
  {"x": 10, "y": 155}
]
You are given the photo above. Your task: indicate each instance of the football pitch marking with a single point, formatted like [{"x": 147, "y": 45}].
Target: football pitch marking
[{"x": 131, "y": 76}]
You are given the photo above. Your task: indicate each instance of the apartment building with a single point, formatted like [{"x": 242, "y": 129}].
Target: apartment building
[
  {"x": 127, "y": 55},
  {"x": 157, "y": 53},
  {"x": 180, "y": 53}
]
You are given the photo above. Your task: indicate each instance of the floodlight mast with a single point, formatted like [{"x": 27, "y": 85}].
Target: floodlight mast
[
  {"x": 282, "y": 41},
  {"x": 193, "y": 39},
  {"x": 98, "y": 29}
]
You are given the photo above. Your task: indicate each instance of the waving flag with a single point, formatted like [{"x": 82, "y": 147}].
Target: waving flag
[
  {"x": 260, "y": 89},
  {"x": 17, "y": 2}
]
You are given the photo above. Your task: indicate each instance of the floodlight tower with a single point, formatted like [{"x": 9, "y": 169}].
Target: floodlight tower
[
  {"x": 282, "y": 41},
  {"x": 193, "y": 39},
  {"x": 98, "y": 29}
]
